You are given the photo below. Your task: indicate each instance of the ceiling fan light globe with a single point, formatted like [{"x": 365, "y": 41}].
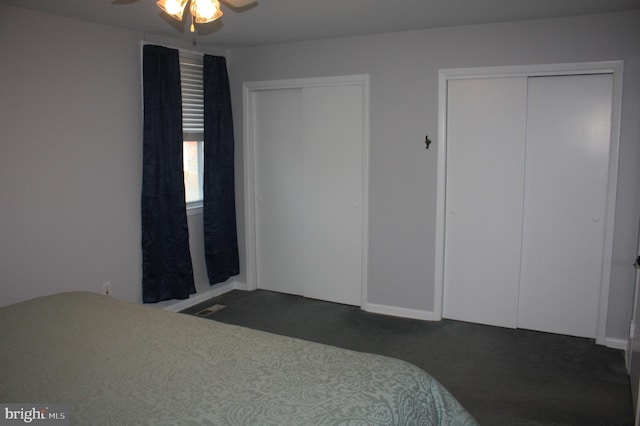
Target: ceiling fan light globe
[
  {"x": 205, "y": 10},
  {"x": 173, "y": 8}
]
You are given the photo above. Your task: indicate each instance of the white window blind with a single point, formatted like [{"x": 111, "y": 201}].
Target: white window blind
[{"x": 192, "y": 95}]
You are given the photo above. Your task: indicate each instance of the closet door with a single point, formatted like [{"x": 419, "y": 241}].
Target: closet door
[
  {"x": 526, "y": 200},
  {"x": 333, "y": 155},
  {"x": 309, "y": 146},
  {"x": 279, "y": 187},
  {"x": 484, "y": 181},
  {"x": 568, "y": 136}
]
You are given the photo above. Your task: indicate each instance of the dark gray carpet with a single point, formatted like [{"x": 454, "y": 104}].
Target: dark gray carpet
[{"x": 502, "y": 376}]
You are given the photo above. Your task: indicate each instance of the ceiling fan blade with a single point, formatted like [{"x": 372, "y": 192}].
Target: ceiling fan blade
[{"x": 239, "y": 3}]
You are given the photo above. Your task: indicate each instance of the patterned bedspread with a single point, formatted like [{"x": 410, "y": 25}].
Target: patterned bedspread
[{"x": 119, "y": 363}]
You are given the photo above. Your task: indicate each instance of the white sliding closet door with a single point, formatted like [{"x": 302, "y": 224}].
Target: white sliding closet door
[
  {"x": 527, "y": 170},
  {"x": 333, "y": 154},
  {"x": 485, "y": 174},
  {"x": 278, "y": 171},
  {"x": 568, "y": 139},
  {"x": 309, "y": 145}
]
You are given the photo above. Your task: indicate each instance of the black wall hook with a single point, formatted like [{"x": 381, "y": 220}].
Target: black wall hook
[{"x": 427, "y": 141}]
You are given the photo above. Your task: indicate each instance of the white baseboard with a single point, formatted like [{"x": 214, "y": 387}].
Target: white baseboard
[
  {"x": 177, "y": 306},
  {"x": 237, "y": 285},
  {"x": 398, "y": 312},
  {"x": 616, "y": 343}
]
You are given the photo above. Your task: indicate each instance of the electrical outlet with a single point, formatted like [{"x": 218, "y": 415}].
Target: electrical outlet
[{"x": 106, "y": 288}]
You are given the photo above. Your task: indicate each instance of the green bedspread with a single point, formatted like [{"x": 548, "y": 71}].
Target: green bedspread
[{"x": 117, "y": 363}]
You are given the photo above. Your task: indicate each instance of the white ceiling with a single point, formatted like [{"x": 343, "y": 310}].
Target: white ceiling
[{"x": 277, "y": 21}]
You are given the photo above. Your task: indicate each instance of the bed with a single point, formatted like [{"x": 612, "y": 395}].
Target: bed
[{"x": 115, "y": 362}]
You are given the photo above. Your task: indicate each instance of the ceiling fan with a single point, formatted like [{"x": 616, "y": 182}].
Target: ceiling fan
[{"x": 202, "y": 11}]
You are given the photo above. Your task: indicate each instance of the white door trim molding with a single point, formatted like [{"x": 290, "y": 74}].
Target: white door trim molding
[
  {"x": 608, "y": 67},
  {"x": 248, "y": 91}
]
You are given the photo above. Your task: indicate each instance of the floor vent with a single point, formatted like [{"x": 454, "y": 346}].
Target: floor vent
[{"x": 211, "y": 309}]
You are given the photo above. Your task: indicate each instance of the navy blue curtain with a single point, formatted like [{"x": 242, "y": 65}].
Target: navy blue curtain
[
  {"x": 167, "y": 272},
  {"x": 219, "y": 210}
]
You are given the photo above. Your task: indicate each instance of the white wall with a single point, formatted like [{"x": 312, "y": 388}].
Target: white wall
[
  {"x": 404, "y": 99},
  {"x": 70, "y": 158}
]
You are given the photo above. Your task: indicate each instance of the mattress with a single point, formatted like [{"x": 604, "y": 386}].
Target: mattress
[{"x": 114, "y": 362}]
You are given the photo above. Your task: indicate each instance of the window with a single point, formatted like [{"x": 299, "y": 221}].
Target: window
[
  {"x": 192, "y": 126},
  {"x": 193, "y": 154}
]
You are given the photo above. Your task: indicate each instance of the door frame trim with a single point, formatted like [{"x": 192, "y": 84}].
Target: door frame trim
[
  {"x": 606, "y": 67},
  {"x": 249, "y": 89}
]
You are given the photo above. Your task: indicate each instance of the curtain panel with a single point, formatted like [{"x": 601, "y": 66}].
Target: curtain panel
[
  {"x": 167, "y": 272},
  {"x": 219, "y": 211}
]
